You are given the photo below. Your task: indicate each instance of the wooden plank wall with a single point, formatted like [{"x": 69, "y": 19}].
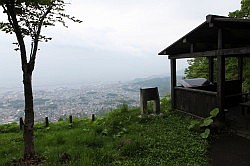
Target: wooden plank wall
[{"x": 197, "y": 102}]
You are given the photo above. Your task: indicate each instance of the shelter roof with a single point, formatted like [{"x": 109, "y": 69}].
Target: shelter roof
[{"x": 203, "y": 40}]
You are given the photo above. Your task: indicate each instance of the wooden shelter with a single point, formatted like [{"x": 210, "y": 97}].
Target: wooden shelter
[{"x": 217, "y": 38}]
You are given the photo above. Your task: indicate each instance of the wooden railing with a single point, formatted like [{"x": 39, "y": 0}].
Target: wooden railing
[{"x": 195, "y": 101}]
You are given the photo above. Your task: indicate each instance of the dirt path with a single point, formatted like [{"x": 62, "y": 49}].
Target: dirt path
[{"x": 230, "y": 150}]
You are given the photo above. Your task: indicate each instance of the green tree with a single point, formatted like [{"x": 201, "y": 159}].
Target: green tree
[
  {"x": 26, "y": 19},
  {"x": 198, "y": 68},
  {"x": 244, "y": 12}
]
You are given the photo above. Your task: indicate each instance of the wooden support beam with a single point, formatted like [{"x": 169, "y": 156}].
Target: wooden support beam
[
  {"x": 220, "y": 77},
  {"x": 220, "y": 39},
  {"x": 220, "y": 84},
  {"x": 173, "y": 81},
  {"x": 214, "y": 53},
  {"x": 192, "y": 48}
]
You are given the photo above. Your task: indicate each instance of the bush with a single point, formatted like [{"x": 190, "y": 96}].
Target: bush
[
  {"x": 124, "y": 107},
  {"x": 204, "y": 124},
  {"x": 131, "y": 147},
  {"x": 165, "y": 103},
  {"x": 9, "y": 128}
]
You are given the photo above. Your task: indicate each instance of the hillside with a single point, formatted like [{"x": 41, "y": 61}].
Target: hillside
[
  {"x": 121, "y": 137},
  {"x": 163, "y": 84}
]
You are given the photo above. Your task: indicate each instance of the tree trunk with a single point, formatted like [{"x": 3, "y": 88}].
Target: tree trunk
[{"x": 28, "y": 135}]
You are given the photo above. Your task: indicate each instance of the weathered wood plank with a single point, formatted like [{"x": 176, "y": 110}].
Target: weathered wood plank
[
  {"x": 194, "y": 101},
  {"x": 220, "y": 39},
  {"x": 223, "y": 52},
  {"x": 196, "y": 91},
  {"x": 173, "y": 80},
  {"x": 220, "y": 76}
]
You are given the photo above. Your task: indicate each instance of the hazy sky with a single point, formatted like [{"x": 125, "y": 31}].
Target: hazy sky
[{"x": 118, "y": 40}]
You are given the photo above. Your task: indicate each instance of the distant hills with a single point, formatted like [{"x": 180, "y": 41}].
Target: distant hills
[{"x": 163, "y": 84}]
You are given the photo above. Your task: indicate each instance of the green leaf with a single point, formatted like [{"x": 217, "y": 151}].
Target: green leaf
[
  {"x": 30, "y": 13},
  {"x": 194, "y": 124},
  {"x": 214, "y": 112},
  {"x": 105, "y": 132},
  {"x": 205, "y": 134},
  {"x": 207, "y": 122}
]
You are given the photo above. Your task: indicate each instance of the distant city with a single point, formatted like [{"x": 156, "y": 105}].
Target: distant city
[{"x": 61, "y": 102}]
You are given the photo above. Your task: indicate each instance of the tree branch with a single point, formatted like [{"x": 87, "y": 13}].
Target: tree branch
[
  {"x": 9, "y": 18},
  {"x": 37, "y": 35},
  {"x": 27, "y": 21},
  {"x": 13, "y": 21}
]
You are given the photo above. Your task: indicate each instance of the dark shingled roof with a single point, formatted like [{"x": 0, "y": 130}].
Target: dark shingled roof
[{"x": 236, "y": 34}]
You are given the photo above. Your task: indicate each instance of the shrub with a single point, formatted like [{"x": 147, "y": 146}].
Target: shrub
[
  {"x": 9, "y": 128},
  {"x": 204, "y": 124},
  {"x": 131, "y": 147},
  {"x": 124, "y": 107},
  {"x": 165, "y": 103}
]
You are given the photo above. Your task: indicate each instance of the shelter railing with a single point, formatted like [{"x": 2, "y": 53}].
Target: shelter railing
[{"x": 195, "y": 101}]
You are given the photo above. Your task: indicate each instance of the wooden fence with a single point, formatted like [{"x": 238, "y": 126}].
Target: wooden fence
[{"x": 46, "y": 121}]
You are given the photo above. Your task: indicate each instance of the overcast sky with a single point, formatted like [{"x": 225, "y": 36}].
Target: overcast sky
[{"x": 118, "y": 40}]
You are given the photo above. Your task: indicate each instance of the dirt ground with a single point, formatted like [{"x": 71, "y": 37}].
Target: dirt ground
[{"x": 229, "y": 150}]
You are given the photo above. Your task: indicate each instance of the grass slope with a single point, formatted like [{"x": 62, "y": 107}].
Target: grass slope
[{"x": 122, "y": 137}]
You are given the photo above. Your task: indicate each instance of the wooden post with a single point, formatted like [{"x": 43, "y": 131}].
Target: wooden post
[
  {"x": 173, "y": 81},
  {"x": 21, "y": 123},
  {"x": 70, "y": 119},
  {"x": 220, "y": 77},
  {"x": 46, "y": 122},
  {"x": 220, "y": 39},
  {"x": 191, "y": 48},
  {"x": 93, "y": 117},
  {"x": 211, "y": 69},
  {"x": 143, "y": 102}
]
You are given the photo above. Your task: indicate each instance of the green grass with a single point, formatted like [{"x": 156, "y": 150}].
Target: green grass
[{"x": 122, "y": 137}]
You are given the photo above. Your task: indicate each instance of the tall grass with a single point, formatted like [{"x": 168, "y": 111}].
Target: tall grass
[{"x": 121, "y": 137}]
